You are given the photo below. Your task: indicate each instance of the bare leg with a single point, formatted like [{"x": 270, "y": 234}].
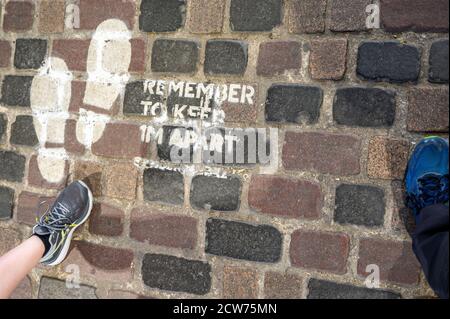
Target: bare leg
[{"x": 17, "y": 263}]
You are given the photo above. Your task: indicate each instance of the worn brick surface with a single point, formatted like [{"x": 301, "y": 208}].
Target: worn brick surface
[
  {"x": 321, "y": 251},
  {"x": 246, "y": 15},
  {"x": 73, "y": 51},
  {"x": 9, "y": 238},
  {"x": 5, "y": 54},
  {"x": 414, "y": 15},
  {"x": 428, "y": 110},
  {"x": 51, "y": 288},
  {"x": 12, "y": 166},
  {"x": 106, "y": 220},
  {"x": 322, "y": 289},
  {"x": 324, "y": 153},
  {"x": 306, "y": 16},
  {"x": 396, "y": 260},
  {"x": 32, "y": 206},
  {"x": 243, "y": 241},
  {"x": 388, "y": 61},
  {"x": 23, "y": 132},
  {"x": 226, "y": 57},
  {"x": 120, "y": 140},
  {"x": 176, "y": 274},
  {"x": 349, "y": 15},
  {"x": 160, "y": 229},
  {"x": 16, "y": 90},
  {"x": 94, "y": 12},
  {"x": 388, "y": 158},
  {"x": 240, "y": 283},
  {"x": 18, "y": 16},
  {"x": 6, "y": 202},
  {"x": 71, "y": 143},
  {"x": 120, "y": 181},
  {"x": 365, "y": 107},
  {"x": 285, "y": 197},
  {"x": 164, "y": 186},
  {"x": 101, "y": 262},
  {"x": 51, "y": 16},
  {"x": 359, "y": 205},
  {"x": 213, "y": 193},
  {"x": 206, "y": 16},
  {"x": 438, "y": 72},
  {"x": 91, "y": 174},
  {"x": 243, "y": 112},
  {"x": 283, "y": 286},
  {"x": 276, "y": 58},
  {"x": 138, "y": 55},
  {"x": 3, "y": 125},
  {"x": 291, "y": 103},
  {"x": 30, "y": 53},
  {"x": 162, "y": 15},
  {"x": 328, "y": 59},
  {"x": 175, "y": 56}
]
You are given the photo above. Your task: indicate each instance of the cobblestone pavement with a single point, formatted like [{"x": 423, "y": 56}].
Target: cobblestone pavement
[{"x": 82, "y": 83}]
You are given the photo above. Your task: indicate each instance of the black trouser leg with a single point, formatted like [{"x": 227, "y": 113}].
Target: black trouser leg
[{"x": 430, "y": 244}]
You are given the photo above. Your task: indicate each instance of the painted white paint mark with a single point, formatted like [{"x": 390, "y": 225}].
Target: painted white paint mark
[
  {"x": 215, "y": 172},
  {"x": 90, "y": 127},
  {"x": 146, "y": 134},
  {"x": 187, "y": 170},
  {"x": 108, "y": 61},
  {"x": 52, "y": 169},
  {"x": 50, "y": 99},
  {"x": 52, "y": 164},
  {"x": 144, "y": 164},
  {"x": 208, "y": 109}
]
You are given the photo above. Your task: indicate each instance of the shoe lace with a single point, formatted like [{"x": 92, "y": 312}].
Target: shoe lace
[
  {"x": 433, "y": 189},
  {"x": 56, "y": 219}
]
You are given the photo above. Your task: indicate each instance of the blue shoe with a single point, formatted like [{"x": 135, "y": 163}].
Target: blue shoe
[{"x": 427, "y": 175}]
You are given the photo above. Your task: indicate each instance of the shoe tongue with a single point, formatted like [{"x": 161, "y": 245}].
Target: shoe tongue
[{"x": 39, "y": 230}]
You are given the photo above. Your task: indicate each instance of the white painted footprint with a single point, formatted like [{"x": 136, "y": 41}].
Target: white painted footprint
[
  {"x": 50, "y": 100},
  {"x": 108, "y": 62}
]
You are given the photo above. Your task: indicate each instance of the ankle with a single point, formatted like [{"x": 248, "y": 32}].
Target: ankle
[{"x": 46, "y": 241}]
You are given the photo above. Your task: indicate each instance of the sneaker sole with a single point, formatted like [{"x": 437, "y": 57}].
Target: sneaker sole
[{"x": 66, "y": 246}]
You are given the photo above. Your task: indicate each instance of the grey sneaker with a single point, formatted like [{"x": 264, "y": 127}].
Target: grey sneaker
[{"x": 70, "y": 210}]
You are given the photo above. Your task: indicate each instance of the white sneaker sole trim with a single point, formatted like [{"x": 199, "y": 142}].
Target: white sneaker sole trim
[{"x": 66, "y": 246}]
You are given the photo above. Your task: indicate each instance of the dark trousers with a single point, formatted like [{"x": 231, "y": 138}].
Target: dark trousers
[{"x": 430, "y": 244}]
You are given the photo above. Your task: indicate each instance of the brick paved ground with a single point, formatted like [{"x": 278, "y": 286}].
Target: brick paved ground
[{"x": 349, "y": 103}]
